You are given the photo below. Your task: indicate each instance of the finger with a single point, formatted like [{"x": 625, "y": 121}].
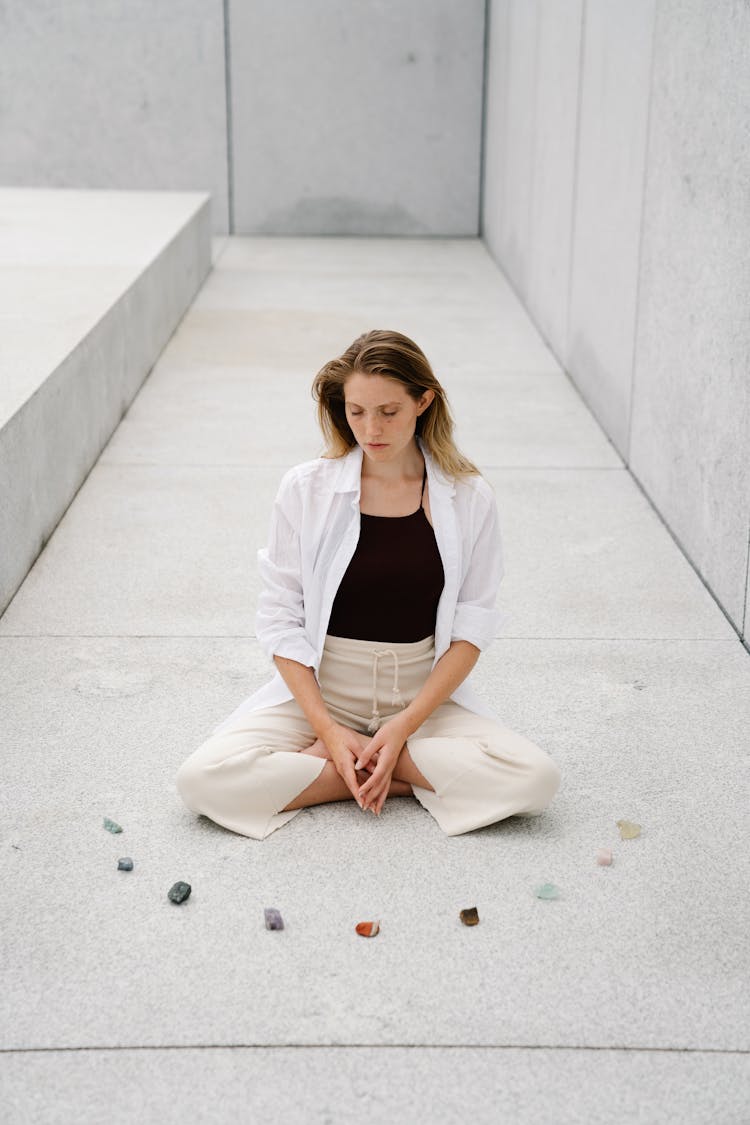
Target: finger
[
  {"x": 361, "y": 800},
  {"x": 366, "y": 760},
  {"x": 375, "y": 781},
  {"x": 379, "y": 801},
  {"x": 363, "y": 758},
  {"x": 364, "y": 791},
  {"x": 374, "y": 787},
  {"x": 383, "y": 795},
  {"x": 350, "y": 777},
  {"x": 371, "y": 783},
  {"x": 377, "y": 760}
]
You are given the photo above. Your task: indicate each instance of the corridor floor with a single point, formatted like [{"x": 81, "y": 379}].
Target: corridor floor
[{"x": 625, "y": 999}]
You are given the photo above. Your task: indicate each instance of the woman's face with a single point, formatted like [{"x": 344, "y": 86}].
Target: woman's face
[{"x": 383, "y": 417}]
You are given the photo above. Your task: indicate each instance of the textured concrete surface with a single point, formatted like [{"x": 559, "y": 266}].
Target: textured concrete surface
[
  {"x": 356, "y": 118},
  {"x": 531, "y": 124},
  {"x": 66, "y": 257},
  {"x": 92, "y": 285},
  {"x": 395, "y": 1084},
  {"x": 626, "y": 999},
  {"x": 616, "y": 56},
  {"x": 133, "y": 97},
  {"x": 690, "y": 427},
  {"x": 616, "y": 164}
]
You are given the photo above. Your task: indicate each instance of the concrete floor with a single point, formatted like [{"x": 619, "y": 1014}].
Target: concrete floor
[{"x": 626, "y": 999}]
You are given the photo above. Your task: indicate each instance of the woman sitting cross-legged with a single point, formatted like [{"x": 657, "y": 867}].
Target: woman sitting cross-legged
[{"x": 378, "y": 594}]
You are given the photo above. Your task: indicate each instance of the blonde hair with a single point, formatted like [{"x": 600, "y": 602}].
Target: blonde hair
[{"x": 394, "y": 356}]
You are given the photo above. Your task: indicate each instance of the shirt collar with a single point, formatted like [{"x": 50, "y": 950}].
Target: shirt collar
[{"x": 350, "y": 472}]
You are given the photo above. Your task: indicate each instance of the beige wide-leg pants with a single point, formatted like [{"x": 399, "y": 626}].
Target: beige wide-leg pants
[{"x": 481, "y": 771}]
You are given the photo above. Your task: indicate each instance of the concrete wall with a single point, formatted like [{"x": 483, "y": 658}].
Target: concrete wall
[
  {"x": 106, "y": 94},
  {"x": 615, "y": 199},
  {"x": 308, "y": 116},
  {"x": 357, "y": 118}
]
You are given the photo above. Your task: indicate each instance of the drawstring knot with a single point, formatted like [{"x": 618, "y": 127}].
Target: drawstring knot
[{"x": 396, "y": 699}]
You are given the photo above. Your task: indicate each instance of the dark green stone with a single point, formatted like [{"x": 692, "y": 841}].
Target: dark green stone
[
  {"x": 179, "y": 892},
  {"x": 111, "y": 826}
]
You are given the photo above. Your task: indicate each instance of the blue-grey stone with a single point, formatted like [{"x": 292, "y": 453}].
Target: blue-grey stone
[{"x": 125, "y": 864}]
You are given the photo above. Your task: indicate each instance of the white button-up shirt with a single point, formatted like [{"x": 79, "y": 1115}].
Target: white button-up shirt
[{"x": 313, "y": 535}]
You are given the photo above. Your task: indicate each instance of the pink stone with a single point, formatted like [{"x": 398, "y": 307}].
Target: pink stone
[{"x": 604, "y": 857}]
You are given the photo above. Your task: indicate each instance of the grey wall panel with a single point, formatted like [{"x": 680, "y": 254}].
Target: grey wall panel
[
  {"x": 356, "y": 118},
  {"x": 615, "y": 95},
  {"x": 496, "y": 124},
  {"x": 509, "y": 136},
  {"x": 530, "y": 148},
  {"x": 115, "y": 95},
  {"x": 554, "y": 165},
  {"x": 690, "y": 434},
  {"x": 658, "y": 333}
]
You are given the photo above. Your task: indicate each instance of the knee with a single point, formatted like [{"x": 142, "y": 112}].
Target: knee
[
  {"x": 549, "y": 776},
  {"x": 190, "y": 781},
  {"x": 546, "y": 778}
]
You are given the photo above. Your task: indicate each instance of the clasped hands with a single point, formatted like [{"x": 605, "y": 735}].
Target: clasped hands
[{"x": 378, "y": 756}]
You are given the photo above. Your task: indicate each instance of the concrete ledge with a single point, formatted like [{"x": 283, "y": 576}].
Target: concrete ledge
[{"x": 93, "y": 284}]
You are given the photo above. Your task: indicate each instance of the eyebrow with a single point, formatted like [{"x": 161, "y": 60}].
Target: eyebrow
[{"x": 395, "y": 402}]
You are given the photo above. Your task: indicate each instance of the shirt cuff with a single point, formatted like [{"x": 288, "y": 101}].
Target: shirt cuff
[
  {"x": 477, "y": 625},
  {"x": 293, "y": 648}
]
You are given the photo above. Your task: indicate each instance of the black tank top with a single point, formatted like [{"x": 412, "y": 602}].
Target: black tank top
[{"x": 392, "y": 586}]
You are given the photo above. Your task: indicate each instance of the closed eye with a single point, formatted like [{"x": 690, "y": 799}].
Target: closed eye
[{"x": 386, "y": 413}]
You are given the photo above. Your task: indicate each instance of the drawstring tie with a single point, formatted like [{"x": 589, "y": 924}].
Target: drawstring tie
[{"x": 396, "y": 700}]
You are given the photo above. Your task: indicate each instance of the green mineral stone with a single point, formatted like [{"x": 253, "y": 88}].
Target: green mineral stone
[
  {"x": 179, "y": 892},
  {"x": 125, "y": 864},
  {"x": 111, "y": 826},
  {"x": 628, "y": 831},
  {"x": 547, "y": 890},
  {"x": 470, "y": 917}
]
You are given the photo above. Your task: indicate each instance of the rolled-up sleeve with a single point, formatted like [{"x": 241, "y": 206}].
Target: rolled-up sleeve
[
  {"x": 280, "y": 617},
  {"x": 476, "y": 618}
]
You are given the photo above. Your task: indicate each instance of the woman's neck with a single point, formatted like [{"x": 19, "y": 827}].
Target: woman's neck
[{"x": 410, "y": 464}]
